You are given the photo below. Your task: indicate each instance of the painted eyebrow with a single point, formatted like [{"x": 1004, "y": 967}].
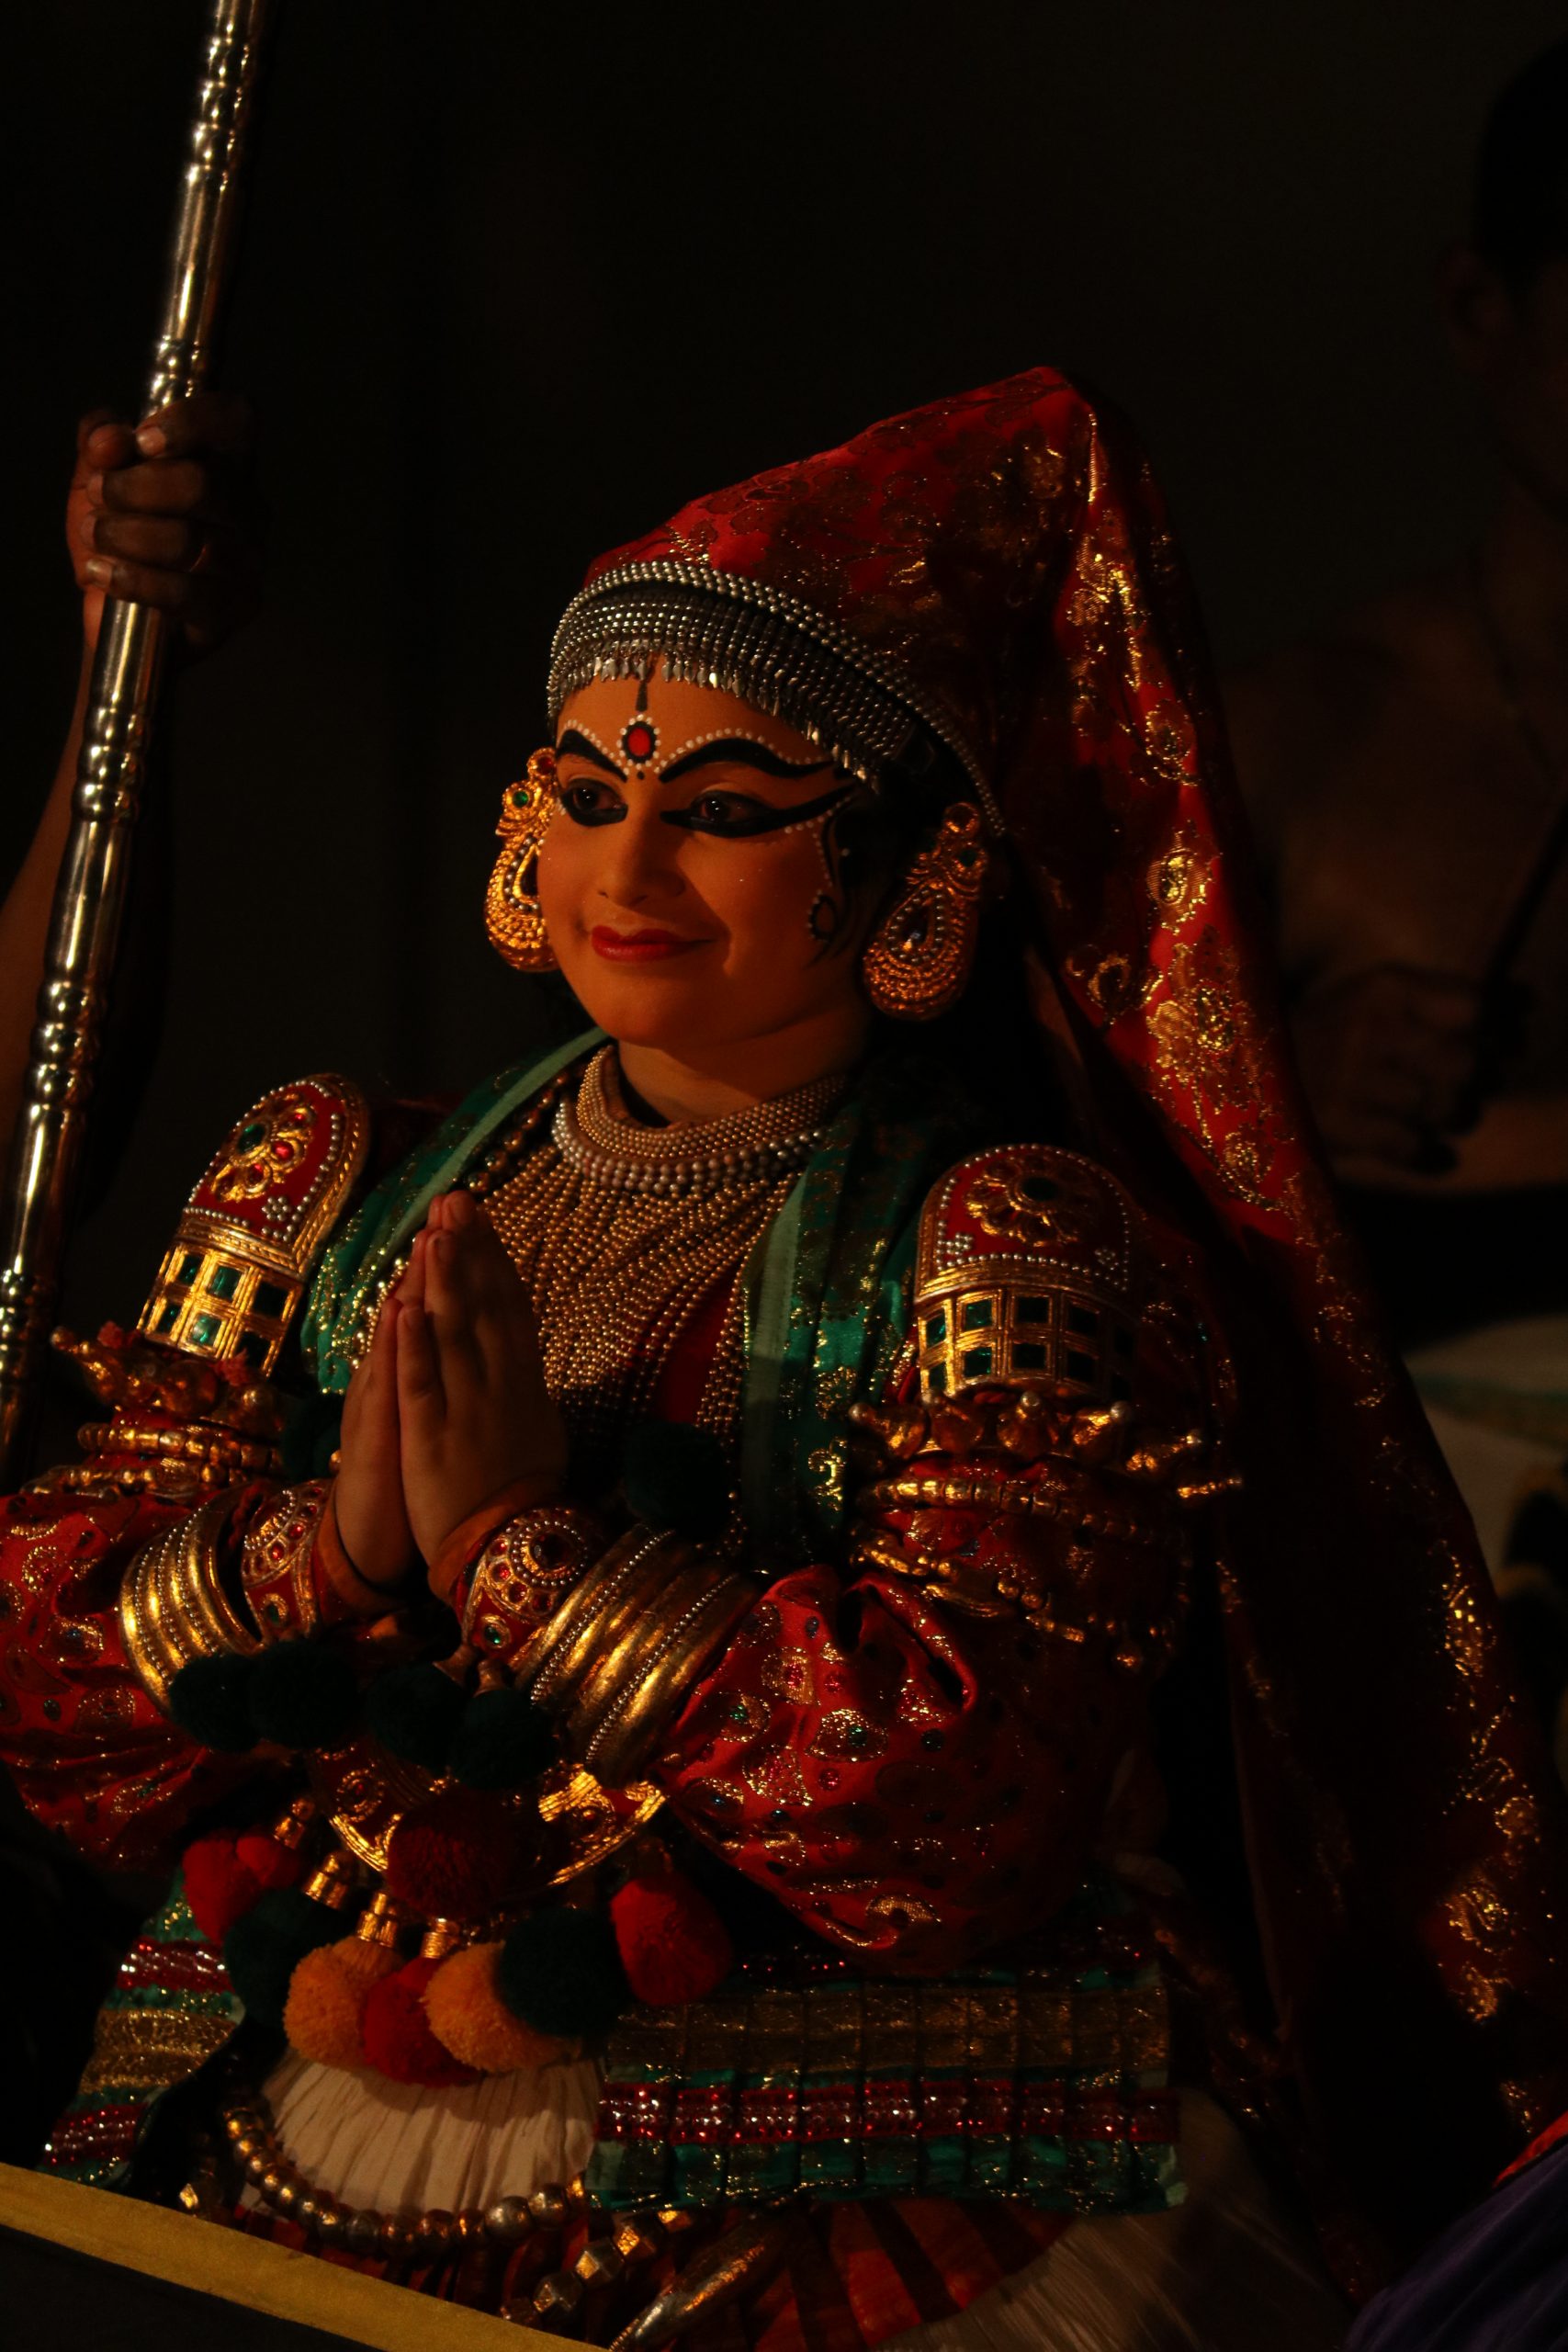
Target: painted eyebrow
[
  {"x": 572, "y": 741},
  {"x": 741, "y": 747}
]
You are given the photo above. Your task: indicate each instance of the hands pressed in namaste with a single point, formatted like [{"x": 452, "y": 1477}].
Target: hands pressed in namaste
[{"x": 449, "y": 1405}]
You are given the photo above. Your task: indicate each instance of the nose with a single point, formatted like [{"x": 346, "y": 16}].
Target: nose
[{"x": 639, "y": 864}]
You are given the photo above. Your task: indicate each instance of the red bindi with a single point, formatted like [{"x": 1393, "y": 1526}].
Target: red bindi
[{"x": 640, "y": 742}]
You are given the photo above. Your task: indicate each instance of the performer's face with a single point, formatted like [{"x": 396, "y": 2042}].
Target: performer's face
[{"x": 690, "y": 879}]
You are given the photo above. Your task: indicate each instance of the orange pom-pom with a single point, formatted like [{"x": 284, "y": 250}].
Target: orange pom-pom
[
  {"x": 218, "y": 1889},
  {"x": 268, "y": 1862},
  {"x": 673, "y": 1945},
  {"x": 467, "y": 2015},
  {"x": 325, "y": 2014},
  {"x": 397, "y": 2036}
]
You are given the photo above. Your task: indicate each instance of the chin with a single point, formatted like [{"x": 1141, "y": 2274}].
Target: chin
[{"x": 644, "y": 1010}]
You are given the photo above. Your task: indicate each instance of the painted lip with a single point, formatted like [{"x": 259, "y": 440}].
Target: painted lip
[{"x": 640, "y": 946}]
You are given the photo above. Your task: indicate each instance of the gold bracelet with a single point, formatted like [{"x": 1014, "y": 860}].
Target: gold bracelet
[
  {"x": 275, "y": 1573},
  {"x": 632, "y": 1726},
  {"x": 643, "y": 1625},
  {"x": 597, "y": 1610},
  {"x": 172, "y": 1604},
  {"x": 522, "y": 1576}
]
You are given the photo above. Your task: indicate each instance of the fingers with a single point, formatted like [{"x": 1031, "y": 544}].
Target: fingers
[
  {"x": 410, "y": 1290},
  {"x": 420, "y": 1385},
  {"x": 157, "y": 515},
  {"x": 104, "y": 439},
  {"x": 142, "y": 539},
  {"x": 175, "y": 486},
  {"x": 1391, "y": 1060},
  {"x": 218, "y": 423},
  {"x": 482, "y": 1282},
  {"x": 205, "y": 608},
  {"x": 448, "y": 1299}
]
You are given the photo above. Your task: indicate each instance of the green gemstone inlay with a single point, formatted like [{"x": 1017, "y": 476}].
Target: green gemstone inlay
[
  {"x": 168, "y": 1316},
  {"x": 223, "y": 1282},
  {"x": 977, "y": 1314},
  {"x": 204, "y": 1329},
  {"x": 976, "y": 1363},
  {"x": 936, "y": 1329},
  {"x": 190, "y": 1266},
  {"x": 251, "y": 1134}
]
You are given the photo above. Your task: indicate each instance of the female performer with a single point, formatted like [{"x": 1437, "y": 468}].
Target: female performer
[{"x": 851, "y": 1409}]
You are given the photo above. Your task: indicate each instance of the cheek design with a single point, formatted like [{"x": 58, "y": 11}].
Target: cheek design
[{"x": 829, "y": 908}]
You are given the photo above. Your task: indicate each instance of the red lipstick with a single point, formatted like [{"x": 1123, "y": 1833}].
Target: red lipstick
[{"x": 646, "y": 947}]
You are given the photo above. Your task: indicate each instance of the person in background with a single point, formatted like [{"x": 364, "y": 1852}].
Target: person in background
[{"x": 1408, "y": 773}]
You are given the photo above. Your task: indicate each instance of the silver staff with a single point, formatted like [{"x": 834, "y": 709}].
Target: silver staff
[{"x": 89, "y": 896}]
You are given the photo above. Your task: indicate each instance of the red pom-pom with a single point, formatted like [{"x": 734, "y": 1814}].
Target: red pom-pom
[
  {"x": 269, "y": 1863},
  {"x": 459, "y": 1855},
  {"x": 673, "y": 1945},
  {"x": 397, "y": 2036},
  {"x": 219, "y": 1887}
]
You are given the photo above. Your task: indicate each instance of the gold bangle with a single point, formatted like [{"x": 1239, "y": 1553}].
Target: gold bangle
[
  {"x": 172, "y": 1606},
  {"x": 134, "y": 1626},
  {"x": 523, "y": 1575},
  {"x": 641, "y": 1633},
  {"x": 275, "y": 1562},
  {"x": 197, "y": 1582},
  {"x": 594, "y": 1610},
  {"x": 632, "y": 1727}
]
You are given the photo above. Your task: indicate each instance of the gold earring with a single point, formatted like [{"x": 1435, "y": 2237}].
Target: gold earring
[
  {"x": 917, "y": 960},
  {"x": 512, "y": 918}
]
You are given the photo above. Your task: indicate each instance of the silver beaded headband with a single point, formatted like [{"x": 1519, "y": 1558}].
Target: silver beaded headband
[{"x": 714, "y": 628}]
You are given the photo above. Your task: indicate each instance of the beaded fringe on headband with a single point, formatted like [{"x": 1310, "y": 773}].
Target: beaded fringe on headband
[{"x": 714, "y": 628}]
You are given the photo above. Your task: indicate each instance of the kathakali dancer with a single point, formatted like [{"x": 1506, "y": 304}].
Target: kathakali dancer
[{"x": 789, "y": 1670}]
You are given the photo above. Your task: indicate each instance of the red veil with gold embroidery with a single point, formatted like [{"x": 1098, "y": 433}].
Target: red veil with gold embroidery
[{"x": 1004, "y": 557}]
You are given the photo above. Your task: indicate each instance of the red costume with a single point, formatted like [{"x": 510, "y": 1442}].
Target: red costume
[{"x": 910, "y": 1734}]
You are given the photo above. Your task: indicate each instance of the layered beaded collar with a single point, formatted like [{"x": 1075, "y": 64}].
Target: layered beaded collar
[{"x": 597, "y": 1138}]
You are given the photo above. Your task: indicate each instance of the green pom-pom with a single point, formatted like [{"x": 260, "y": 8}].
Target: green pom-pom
[
  {"x": 676, "y": 1477},
  {"x": 264, "y": 1948},
  {"x": 415, "y": 1712},
  {"x": 561, "y": 1971},
  {"x": 210, "y": 1697},
  {"x": 303, "y": 1694},
  {"x": 502, "y": 1742}
]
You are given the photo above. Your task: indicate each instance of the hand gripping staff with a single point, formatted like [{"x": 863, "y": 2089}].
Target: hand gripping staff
[{"x": 90, "y": 893}]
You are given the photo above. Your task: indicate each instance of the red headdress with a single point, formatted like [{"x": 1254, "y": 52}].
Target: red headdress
[{"x": 996, "y": 569}]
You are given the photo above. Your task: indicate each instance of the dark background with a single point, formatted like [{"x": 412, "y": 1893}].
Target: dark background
[{"x": 520, "y": 278}]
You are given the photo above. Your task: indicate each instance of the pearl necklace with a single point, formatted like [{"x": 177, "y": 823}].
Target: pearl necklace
[{"x": 758, "y": 1145}]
